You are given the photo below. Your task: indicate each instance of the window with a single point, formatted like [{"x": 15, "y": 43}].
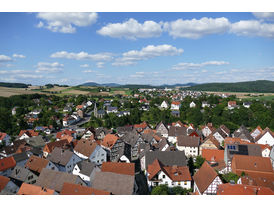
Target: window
[
  {"x": 172, "y": 183},
  {"x": 179, "y": 183},
  {"x": 164, "y": 176},
  {"x": 185, "y": 183}
]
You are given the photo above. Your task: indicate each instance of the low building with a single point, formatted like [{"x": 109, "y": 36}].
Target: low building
[
  {"x": 206, "y": 180},
  {"x": 188, "y": 144}
]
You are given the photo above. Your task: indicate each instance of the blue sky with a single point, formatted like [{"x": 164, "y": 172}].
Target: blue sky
[{"x": 136, "y": 48}]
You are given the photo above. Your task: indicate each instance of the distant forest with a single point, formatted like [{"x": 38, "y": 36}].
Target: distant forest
[
  {"x": 14, "y": 85},
  {"x": 262, "y": 86}
]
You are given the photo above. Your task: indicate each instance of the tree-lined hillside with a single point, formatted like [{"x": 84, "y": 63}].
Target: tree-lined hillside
[{"x": 263, "y": 86}]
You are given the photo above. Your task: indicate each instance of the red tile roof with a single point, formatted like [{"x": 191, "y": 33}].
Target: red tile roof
[
  {"x": 49, "y": 147},
  {"x": 2, "y": 135},
  {"x": 28, "y": 189},
  {"x": 258, "y": 179},
  {"x": 178, "y": 173},
  {"x": 30, "y": 133},
  {"x": 36, "y": 164},
  {"x": 154, "y": 168},
  {"x": 213, "y": 155},
  {"x": 65, "y": 132},
  {"x": 67, "y": 137},
  {"x": 143, "y": 125},
  {"x": 85, "y": 147},
  {"x": 7, "y": 163},
  {"x": 237, "y": 189},
  {"x": 247, "y": 164},
  {"x": 176, "y": 103},
  {"x": 109, "y": 140},
  {"x": 204, "y": 177},
  {"x": 3, "y": 182},
  {"x": 75, "y": 189},
  {"x": 119, "y": 168}
]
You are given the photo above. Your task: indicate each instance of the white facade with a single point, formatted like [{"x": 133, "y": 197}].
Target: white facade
[
  {"x": 189, "y": 151},
  {"x": 255, "y": 133},
  {"x": 206, "y": 131},
  {"x": 192, "y": 105},
  {"x": 7, "y": 140},
  {"x": 87, "y": 179},
  {"x": 24, "y": 136},
  {"x": 205, "y": 104},
  {"x": 211, "y": 189},
  {"x": 218, "y": 137},
  {"x": 172, "y": 139},
  {"x": 267, "y": 138},
  {"x": 175, "y": 107},
  {"x": 165, "y": 180},
  {"x": 98, "y": 156},
  {"x": 164, "y": 105},
  {"x": 266, "y": 152}
]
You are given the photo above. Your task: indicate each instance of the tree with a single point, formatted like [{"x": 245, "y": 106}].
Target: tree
[
  {"x": 226, "y": 178},
  {"x": 191, "y": 166},
  {"x": 180, "y": 191},
  {"x": 199, "y": 162},
  {"x": 160, "y": 190}
]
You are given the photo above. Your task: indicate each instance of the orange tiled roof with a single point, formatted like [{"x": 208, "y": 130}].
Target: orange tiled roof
[
  {"x": 178, "y": 173},
  {"x": 119, "y": 168},
  {"x": 238, "y": 189},
  {"x": 30, "y": 133},
  {"x": 36, "y": 164},
  {"x": 3, "y": 182},
  {"x": 109, "y": 140},
  {"x": 75, "y": 189},
  {"x": 204, "y": 177},
  {"x": 28, "y": 189},
  {"x": 67, "y": 137},
  {"x": 65, "y": 132},
  {"x": 7, "y": 163},
  {"x": 154, "y": 168},
  {"x": 259, "y": 179},
  {"x": 176, "y": 103},
  {"x": 246, "y": 163},
  {"x": 2, "y": 135},
  {"x": 143, "y": 125},
  {"x": 213, "y": 155},
  {"x": 49, "y": 147}
]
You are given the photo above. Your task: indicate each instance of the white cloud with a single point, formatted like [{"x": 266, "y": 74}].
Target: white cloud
[
  {"x": 84, "y": 65},
  {"x": 253, "y": 28},
  {"x": 46, "y": 67},
  {"x": 83, "y": 56},
  {"x": 100, "y": 64},
  {"x": 132, "y": 29},
  {"x": 186, "y": 66},
  {"x": 65, "y": 22},
  {"x": 4, "y": 58},
  {"x": 18, "y": 56},
  {"x": 88, "y": 71},
  {"x": 264, "y": 15},
  {"x": 197, "y": 28},
  {"x": 148, "y": 52},
  {"x": 14, "y": 71},
  {"x": 29, "y": 76}
]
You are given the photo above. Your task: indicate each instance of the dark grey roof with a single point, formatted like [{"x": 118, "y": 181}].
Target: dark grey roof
[
  {"x": 161, "y": 144},
  {"x": 18, "y": 157},
  {"x": 221, "y": 132},
  {"x": 147, "y": 137},
  {"x": 21, "y": 173},
  {"x": 60, "y": 156},
  {"x": 243, "y": 149},
  {"x": 102, "y": 112},
  {"x": 130, "y": 138},
  {"x": 117, "y": 184},
  {"x": 35, "y": 151},
  {"x": 100, "y": 130},
  {"x": 36, "y": 141},
  {"x": 176, "y": 131},
  {"x": 243, "y": 133},
  {"x": 54, "y": 179},
  {"x": 86, "y": 167},
  {"x": 167, "y": 158},
  {"x": 124, "y": 129},
  {"x": 188, "y": 141},
  {"x": 11, "y": 149}
]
